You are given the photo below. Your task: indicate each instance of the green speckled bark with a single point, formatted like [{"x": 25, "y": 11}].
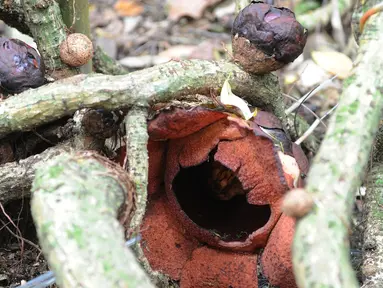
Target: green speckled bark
[
  {"x": 157, "y": 84},
  {"x": 102, "y": 63},
  {"x": 74, "y": 206},
  {"x": 321, "y": 251},
  {"x": 137, "y": 160},
  {"x": 45, "y": 23},
  {"x": 372, "y": 268},
  {"x": 16, "y": 177}
]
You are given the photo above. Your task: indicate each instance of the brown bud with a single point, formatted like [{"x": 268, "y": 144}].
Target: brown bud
[
  {"x": 76, "y": 50},
  {"x": 100, "y": 123},
  {"x": 21, "y": 67},
  {"x": 265, "y": 38}
]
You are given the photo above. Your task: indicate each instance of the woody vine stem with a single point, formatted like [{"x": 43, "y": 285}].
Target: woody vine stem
[{"x": 320, "y": 250}]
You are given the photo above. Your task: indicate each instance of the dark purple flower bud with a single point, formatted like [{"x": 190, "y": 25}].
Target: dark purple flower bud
[
  {"x": 21, "y": 67},
  {"x": 265, "y": 38}
]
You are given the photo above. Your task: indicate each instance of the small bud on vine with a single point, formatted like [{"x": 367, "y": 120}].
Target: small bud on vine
[
  {"x": 21, "y": 67},
  {"x": 76, "y": 50}
]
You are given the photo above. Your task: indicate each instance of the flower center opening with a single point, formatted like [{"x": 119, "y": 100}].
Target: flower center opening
[{"x": 213, "y": 198}]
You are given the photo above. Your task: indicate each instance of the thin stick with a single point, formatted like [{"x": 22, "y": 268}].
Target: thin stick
[
  {"x": 314, "y": 126},
  {"x": 306, "y": 107},
  {"x": 308, "y": 95},
  {"x": 22, "y": 239},
  {"x": 14, "y": 225}
]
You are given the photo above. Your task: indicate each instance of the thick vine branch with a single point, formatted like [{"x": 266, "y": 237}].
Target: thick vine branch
[
  {"x": 157, "y": 84},
  {"x": 320, "y": 250},
  {"x": 102, "y": 63},
  {"x": 47, "y": 28},
  {"x": 137, "y": 160},
  {"x": 76, "y": 199},
  {"x": 16, "y": 177}
]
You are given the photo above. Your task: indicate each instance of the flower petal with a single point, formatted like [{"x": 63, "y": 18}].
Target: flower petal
[
  {"x": 165, "y": 244},
  {"x": 258, "y": 168},
  {"x": 276, "y": 258},
  {"x": 179, "y": 122},
  {"x": 214, "y": 268}
]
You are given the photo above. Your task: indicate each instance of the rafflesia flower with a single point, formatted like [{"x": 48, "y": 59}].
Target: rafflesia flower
[
  {"x": 266, "y": 38},
  {"x": 21, "y": 67},
  {"x": 215, "y": 190}
]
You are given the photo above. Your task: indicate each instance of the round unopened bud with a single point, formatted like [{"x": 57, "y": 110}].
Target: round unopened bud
[
  {"x": 266, "y": 38},
  {"x": 297, "y": 203},
  {"x": 76, "y": 50},
  {"x": 21, "y": 67}
]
